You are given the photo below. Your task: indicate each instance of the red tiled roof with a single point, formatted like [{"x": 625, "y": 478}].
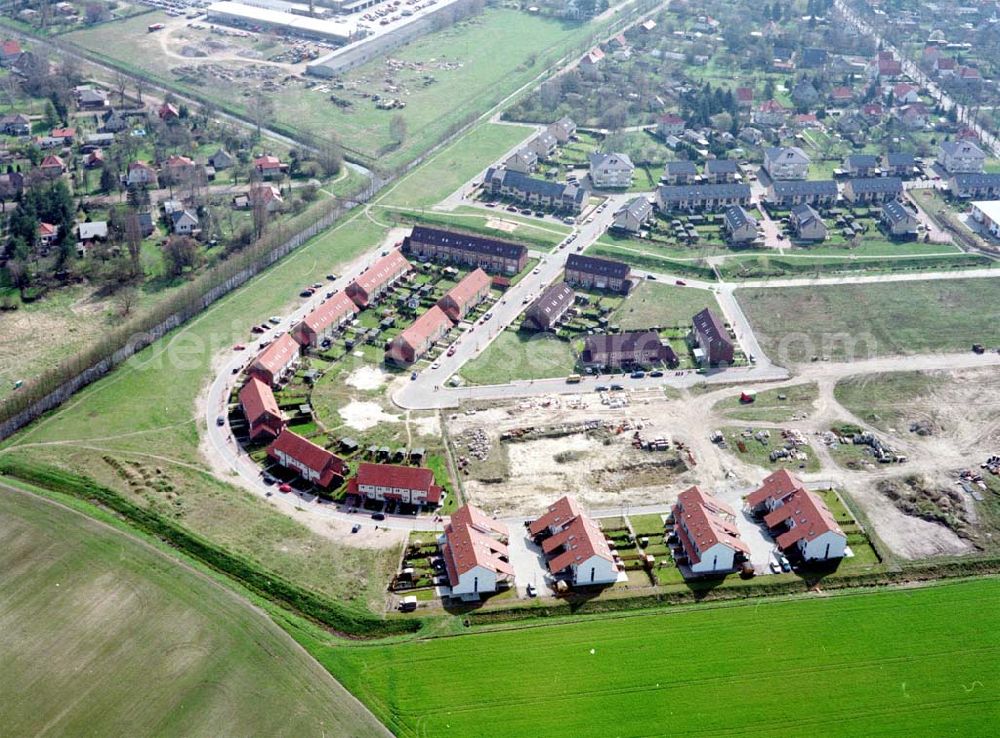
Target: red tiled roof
[
  {"x": 175, "y": 160},
  {"x": 51, "y": 161},
  {"x": 382, "y": 271},
  {"x": 671, "y": 119},
  {"x": 278, "y": 355},
  {"x": 257, "y": 400},
  {"x": 903, "y": 89},
  {"x": 307, "y": 453},
  {"x": 11, "y": 47},
  {"x": 63, "y": 132},
  {"x": 476, "y": 518},
  {"x": 703, "y": 518},
  {"x": 841, "y": 93},
  {"x": 329, "y": 312},
  {"x": 560, "y": 513},
  {"x": 778, "y": 485},
  {"x": 581, "y": 539},
  {"x": 401, "y": 477},
  {"x": 465, "y": 291},
  {"x": 140, "y": 165},
  {"x": 267, "y": 162},
  {"x": 772, "y": 106},
  {"x": 810, "y": 515},
  {"x": 424, "y": 327},
  {"x": 466, "y": 548},
  {"x": 47, "y": 229},
  {"x": 946, "y": 63}
]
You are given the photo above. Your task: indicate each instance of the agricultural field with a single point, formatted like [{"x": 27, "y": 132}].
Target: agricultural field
[
  {"x": 773, "y": 405},
  {"x": 676, "y": 668},
  {"x": 859, "y": 321},
  {"x": 445, "y": 78},
  {"x": 103, "y": 634},
  {"x": 518, "y": 356},
  {"x": 654, "y": 304}
]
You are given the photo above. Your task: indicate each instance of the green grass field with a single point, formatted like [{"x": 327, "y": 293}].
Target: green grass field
[
  {"x": 907, "y": 661},
  {"x": 473, "y": 64},
  {"x": 768, "y": 405},
  {"x": 515, "y": 355},
  {"x": 655, "y": 304},
  {"x": 104, "y": 635},
  {"x": 862, "y": 320}
]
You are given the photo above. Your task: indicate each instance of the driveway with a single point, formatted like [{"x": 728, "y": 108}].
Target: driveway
[{"x": 527, "y": 559}]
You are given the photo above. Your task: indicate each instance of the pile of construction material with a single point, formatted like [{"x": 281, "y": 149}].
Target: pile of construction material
[{"x": 477, "y": 443}]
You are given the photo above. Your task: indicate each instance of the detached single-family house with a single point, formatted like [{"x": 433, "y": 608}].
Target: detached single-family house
[
  {"x": 804, "y": 93},
  {"x": 786, "y": 163},
  {"x": 269, "y": 167},
  {"x": 670, "y": 124},
  {"x": 563, "y": 129},
  {"x": 47, "y": 234},
  {"x": 183, "y": 222},
  {"x": 168, "y": 112},
  {"x": 141, "y": 174},
  {"x": 744, "y": 97},
  {"x": 17, "y": 124},
  {"x": 771, "y": 113},
  {"x": 806, "y": 223},
  {"x": 898, "y": 219},
  {"x": 841, "y": 96},
  {"x": 52, "y": 166},
  {"x": 802, "y": 524},
  {"x": 87, "y": 98},
  {"x": 220, "y": 160},
  {"x": 266, "y": 195},
  {"x": 905, "y": 94},
  {"x": 10, "y": 52}
]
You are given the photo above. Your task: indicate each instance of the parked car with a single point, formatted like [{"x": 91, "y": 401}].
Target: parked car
[
  {"x": 274, "y": 320},
  {"x": 413, "y": 375},
  {"x": 221, "y": 420},
  {"x": 331, "y": 277},
  {"x": 774, "y": 566},
  {"x": 601, "y": 388},
  {"x": 680, "y": 282},
  {"x": 530, "y": 589},
  {"x": 239, "y": 347},
  {"x": 355, "y": 528},
  {"x": 638, "y": 375},
  {"x": 256, "y": 329},
  {"x": 616, "y": 388},
  {"x": 378, "y": 516},
  {"x": 657, "y": 373},
  {"x": 451, "y": 351},
  {"x": 306, "y": 293},
  {"x": 286, "y": 488},
  {"x": 783, "y": 562}
]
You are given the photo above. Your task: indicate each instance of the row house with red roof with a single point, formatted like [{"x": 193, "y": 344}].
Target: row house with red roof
[
  {"x": 325, "y": 320},
  {"x": 417, "y": 340},
  {"x": 260, "y": 410},
  {"x": 277, "y": 361},
  {"x": 464, "y": 296},
  {"x": 574, "y": 544},
  {"x": 311, "y": 462},
  {"x": 798, "y": 518},
  {"x": 378, "y": 279},
  {"x": 475, "y": 554},
  {"x": 411, "y": 485},
  {"x": 705, "y": 528}
]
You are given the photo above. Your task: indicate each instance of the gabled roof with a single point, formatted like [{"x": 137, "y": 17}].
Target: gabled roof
[
  {"x": 267, "y": 162},
  {"x": 720, "y": 166},
  {"x": 777, "y": 486},
  {"x": 807, "y": 516},
  {"x": 680, "y": 166},
  {"x": 533, "y": 185},
  {"x": 638, "y": 207},
  {"x": 465, "y": 548},
  {"x": 896, "y": 212},
  {"x": 815, "y": 187},
  {"x": 467, "y": 289},
  {"x": 399, "y": 477},
  {"x": 805, "y": 214},
  {"x": 598, "y": 266},
  {"x": 726, "y": 190},
  {"x": 551, "y": 301},
  {"x": 611, "y": 159},
  {"x": 257, "y": 400},
  {"x": 580, "y": 540},
  {"x": 787, "y": 155},
  {"x": 876, "y": 184},
  {"x": 51, "y": 161},
  {"x": 278, "y": 355},
  {"x": 475, "y": 518},
  {"x": 862, "y": 160},
  {"x": 621, "y": 343},
  {"x": 307, "y": 453},
  {"x": 841, "y": 93},
  {"x": 329, "y": 312},
  {"x": 900, "y": 159},
  {"x": 427, "y": 325},
  {"x": 670, "y": 119},
  {"x": 976, "y": 180},
  {"x": 382, "y": 271},
  {"x": 467, "y": 242},
  {"x": 962, "y": 148},
  {"x": 706, "y": 524},
  {"x": 707, "y": 323},
  {"x": 559, "y": 514},
  {"x": 10, "y": 47},
  {"x": 737, "y": 217},
  {"x": 92, "y": 230}
]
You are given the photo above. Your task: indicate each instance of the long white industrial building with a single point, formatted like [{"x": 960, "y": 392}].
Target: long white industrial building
[{"x": 250, "y": 16}]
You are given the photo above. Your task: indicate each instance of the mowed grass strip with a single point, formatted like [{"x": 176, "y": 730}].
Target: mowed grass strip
[
  {"x": 517, "y": 356},
  {"x": 917, "y": 661},
  {"x": 101, "y": 634},
  {"x": 656, "y": 304},
  {"x": 861, "y": 321}
]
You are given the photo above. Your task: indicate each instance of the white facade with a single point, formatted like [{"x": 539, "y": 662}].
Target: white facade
[
  {"x": 829, "y": 545},
  {"x": 988, "y": 213},
  {"x": 405, "y": 494},
  {"x": 718, "y": 557},
  {"x": 611, "y": 170},
  {"x": 595, "y": 570},
  {"x": 787, "y": 163},
  {"x": 476, "y": 580},
  {"x": 961, "y": 157}
]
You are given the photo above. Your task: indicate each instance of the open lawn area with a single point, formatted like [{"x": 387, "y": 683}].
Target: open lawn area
[
  {"x": 864, "y": 320},
  {"x": 105, "y": 635},
  {"x": 655, "y": 304},
  {"x": 773, "y": 405},
  {"x": 886, "y": 400},
  {"x": 515, "y": 355},
  {"x": 446, "y": 78},
  {"x": 917, "y": 661}
]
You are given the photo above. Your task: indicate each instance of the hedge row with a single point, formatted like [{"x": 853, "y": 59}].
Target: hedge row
[{"x": 312, "y": 605}]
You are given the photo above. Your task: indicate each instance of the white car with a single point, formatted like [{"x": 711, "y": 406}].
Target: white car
[
  {"x": 274, "y": 320},
  {"x": 436, "y": 365},
  {"x": 536, "y": 270}
]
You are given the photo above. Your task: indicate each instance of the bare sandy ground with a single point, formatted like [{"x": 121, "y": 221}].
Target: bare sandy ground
[
  {"x": 364, "y": 415},
  {"x": 366, "y": 378}
]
